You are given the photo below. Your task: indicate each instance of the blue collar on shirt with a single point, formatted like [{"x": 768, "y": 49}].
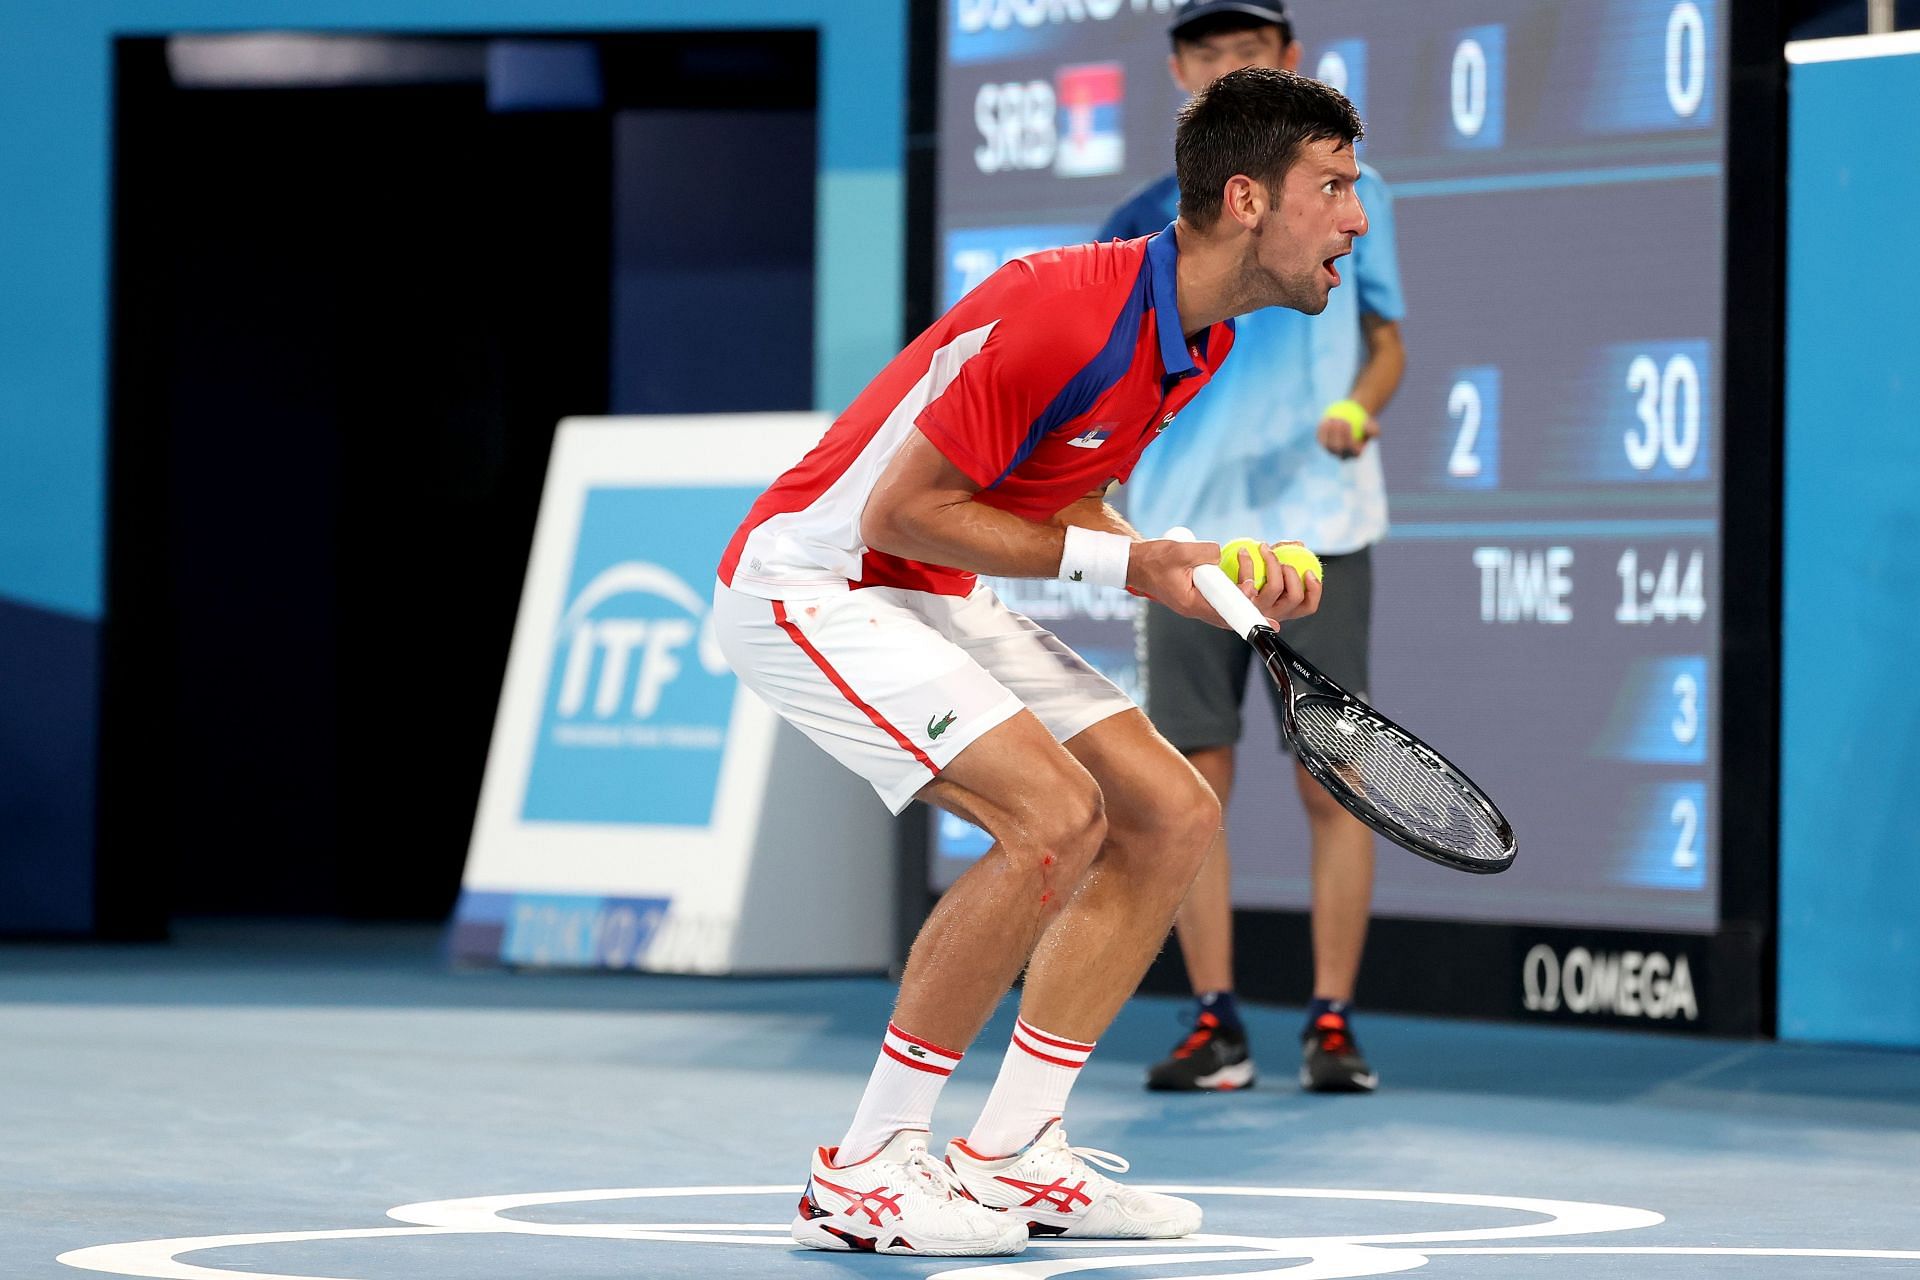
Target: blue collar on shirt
[{"x": 1163, "y": 295}]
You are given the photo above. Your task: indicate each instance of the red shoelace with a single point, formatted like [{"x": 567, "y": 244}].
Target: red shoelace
[
  {"x": 1202, "y": 1032},
  {"x": 1333, "y": 1034}
]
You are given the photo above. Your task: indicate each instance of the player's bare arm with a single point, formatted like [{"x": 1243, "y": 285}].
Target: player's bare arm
[
  {"x": 1374, "y": 385},
  {"x": 1095, "y": 512},
  {"x": 922, "y": 508}
]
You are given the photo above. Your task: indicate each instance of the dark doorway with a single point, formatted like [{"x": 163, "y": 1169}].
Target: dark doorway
[{"x": 356, "y": 285}]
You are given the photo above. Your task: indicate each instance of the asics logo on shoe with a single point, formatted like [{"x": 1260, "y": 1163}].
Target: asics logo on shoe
[
  {"x": 874, "y": 1204},
  {"x": 1056, "y": 1195}
]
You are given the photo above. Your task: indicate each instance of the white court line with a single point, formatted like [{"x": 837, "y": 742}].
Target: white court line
[
  {"x": 1559, "y": 1217},
  {"x": 1336, "y": 1262},
  {"x": 155, "y": 1258},
  {"x": 1331, "y": 1257}
]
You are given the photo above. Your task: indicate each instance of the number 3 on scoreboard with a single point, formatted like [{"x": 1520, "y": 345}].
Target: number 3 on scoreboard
[{"x": 1686, "y": 720}]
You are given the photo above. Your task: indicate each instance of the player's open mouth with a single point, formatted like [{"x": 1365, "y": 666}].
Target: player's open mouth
[{"x": 1332, "y": 270}]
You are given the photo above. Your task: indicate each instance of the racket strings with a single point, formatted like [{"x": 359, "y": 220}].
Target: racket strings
[{"x": 1410, "y": 788}]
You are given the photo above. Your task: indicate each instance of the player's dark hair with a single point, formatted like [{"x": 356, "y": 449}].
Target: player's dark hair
[
  {"x": 1254, "y": 121},
  {"x": 1225, "y": 24}
]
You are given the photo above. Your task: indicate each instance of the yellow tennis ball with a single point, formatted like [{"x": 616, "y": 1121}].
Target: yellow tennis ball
[
  {"x": 1304, "y": 562},
  {"x": 1230, "y": 560},
  {"x": 1354, "y": 414}
]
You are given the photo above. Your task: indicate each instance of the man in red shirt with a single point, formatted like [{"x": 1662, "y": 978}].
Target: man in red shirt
[{"x": 848, "y": 601}]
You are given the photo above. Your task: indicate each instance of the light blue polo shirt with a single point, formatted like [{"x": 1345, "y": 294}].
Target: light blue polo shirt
[{"x": 1244, "y": 459}]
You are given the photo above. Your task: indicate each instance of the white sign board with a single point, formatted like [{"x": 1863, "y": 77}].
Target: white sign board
[{"x": 640, "y": 810}]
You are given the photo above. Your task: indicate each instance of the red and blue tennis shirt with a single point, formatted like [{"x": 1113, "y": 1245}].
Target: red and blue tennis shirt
[{"x": 1041, "y": 385}]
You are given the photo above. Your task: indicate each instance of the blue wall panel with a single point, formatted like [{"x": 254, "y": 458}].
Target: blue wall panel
[
  {"x": 1850, "y": 701},
  {"x": 56, "y": 60}
]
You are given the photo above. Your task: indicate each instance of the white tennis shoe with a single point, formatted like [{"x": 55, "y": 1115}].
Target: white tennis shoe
[
  {"x": 1055, "y": 1190},
  {"x": 900, "y": 1200}
]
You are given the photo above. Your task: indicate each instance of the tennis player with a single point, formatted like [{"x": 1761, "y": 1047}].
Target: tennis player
[{"x": 848, "y": 601}]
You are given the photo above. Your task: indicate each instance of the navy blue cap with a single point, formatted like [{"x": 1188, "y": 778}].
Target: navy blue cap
[{"x": 1192, "y": 11}]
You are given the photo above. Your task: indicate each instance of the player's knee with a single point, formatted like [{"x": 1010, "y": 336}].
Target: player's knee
[
  {"x": 1082, "y": 829},
  {"x": 1069, "y": 830}
]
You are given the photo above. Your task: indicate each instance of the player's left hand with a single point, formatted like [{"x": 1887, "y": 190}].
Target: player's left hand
[
  {"x": 1287, "y": 593},
  {"x": 1338, "y": 437}
]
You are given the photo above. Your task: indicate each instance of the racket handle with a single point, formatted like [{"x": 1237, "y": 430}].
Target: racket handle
[{"x": 1222, "y": 592}]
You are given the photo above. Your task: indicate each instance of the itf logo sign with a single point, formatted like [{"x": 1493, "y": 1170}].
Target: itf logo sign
[{"x": 633, "y": 726}]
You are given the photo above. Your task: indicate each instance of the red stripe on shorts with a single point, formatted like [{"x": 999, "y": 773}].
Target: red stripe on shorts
[{"x": 826, "y": 668}]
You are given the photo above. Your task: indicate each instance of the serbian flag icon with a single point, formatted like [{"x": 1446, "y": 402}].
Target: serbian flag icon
[{"x": 1092, "y": 142}]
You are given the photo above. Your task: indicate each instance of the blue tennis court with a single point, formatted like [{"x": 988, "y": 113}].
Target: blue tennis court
[{"x": 309, "y": 1101}]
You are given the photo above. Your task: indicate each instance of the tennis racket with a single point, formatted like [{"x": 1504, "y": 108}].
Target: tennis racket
[{"x": 1380, "y": 773}]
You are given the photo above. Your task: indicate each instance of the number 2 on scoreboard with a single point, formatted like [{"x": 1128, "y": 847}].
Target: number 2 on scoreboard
[{"x": 1473, "y": 405}]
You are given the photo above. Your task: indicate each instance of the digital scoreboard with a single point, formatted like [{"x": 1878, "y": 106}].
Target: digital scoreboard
[{"x": 1547, "y": 606}]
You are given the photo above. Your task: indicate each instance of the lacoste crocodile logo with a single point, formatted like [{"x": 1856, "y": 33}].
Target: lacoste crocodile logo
[{"x": 937, "y": 727}]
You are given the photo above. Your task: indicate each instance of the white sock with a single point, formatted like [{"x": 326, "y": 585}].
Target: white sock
[
  {"x": 905, "y": 1084},
  {"x": 1034, "y": 1081}
]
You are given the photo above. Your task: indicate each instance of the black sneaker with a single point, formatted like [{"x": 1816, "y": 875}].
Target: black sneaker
[
  {"x": 1330, "y": 1060},
  {"x": 1211, "y": 1057}
]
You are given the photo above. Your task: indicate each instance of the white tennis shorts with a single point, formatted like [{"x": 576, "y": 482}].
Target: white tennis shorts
[{"x": 895, "y": 684}]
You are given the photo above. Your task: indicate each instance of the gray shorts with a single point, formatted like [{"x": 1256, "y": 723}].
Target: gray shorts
[{"x": 1196, "y": 673}]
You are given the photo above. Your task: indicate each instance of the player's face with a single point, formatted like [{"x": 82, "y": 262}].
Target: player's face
[
  {"x": 1311, "y": 225},
  {"x": 1198, "y": 63}
]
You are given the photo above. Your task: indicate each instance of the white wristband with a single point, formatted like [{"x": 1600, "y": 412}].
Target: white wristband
[{"x": 1092, "y": 556}]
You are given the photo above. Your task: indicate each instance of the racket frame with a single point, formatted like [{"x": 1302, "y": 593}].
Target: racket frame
[
  {"x": 1241, "y": 614},
  {"x": 1278, "y": 656}
]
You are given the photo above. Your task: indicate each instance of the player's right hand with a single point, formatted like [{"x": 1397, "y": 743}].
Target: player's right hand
[{"x": 1162, "y": 569}]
